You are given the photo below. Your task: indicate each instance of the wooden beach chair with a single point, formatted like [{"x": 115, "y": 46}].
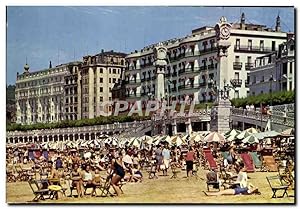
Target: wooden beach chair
[
  {"x": 256, "y": 160},
  {"x": 39, "y": 193},
  {"x": 210, "y": 159},
  {"x": 248, "y": 161},
  {"x": 270, "y": 163}
]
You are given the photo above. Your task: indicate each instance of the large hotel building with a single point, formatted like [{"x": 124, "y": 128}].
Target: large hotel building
[
  {"x": 75, "y": 90},
  {"x": 69, "y": 91},
  {"x": 193, "y": 63}
]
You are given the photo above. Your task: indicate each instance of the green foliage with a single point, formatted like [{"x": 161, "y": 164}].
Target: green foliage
[
  {"x": 10, "y": 94},
  {"x": 77, "y": 123},
  {"x": 276, "y": 98}
]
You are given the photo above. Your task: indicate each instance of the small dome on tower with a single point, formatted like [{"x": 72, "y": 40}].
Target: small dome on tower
[{"x": 26, "y": 67}]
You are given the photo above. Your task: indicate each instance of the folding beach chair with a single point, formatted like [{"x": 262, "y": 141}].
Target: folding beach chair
[
  {"x": 210, "y": 159},
  {"x": 270, "y": 163},
  {"x": 39, "y": 193},
  {"x": 248, "y": 161},
  {"x": 276, "y": 184},
  {"x": 212, "y": 180},
  {"x": 256, "y": 160},
  {"x": 105, "y": 187}
]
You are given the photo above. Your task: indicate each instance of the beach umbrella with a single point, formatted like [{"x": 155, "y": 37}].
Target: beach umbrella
[
  {"x": 165, "y": 138},
  {"x": 232, "y": 132},
  {"x": 197, "y": 137},
  {"x": 288, "y": 132},
  {"x": 103, "y": 136},
  {"x": 243, "y": 135},
  {"x": 230, "y": 138},
  {"x": 266, "y": 134},
  {"x": 250, "y": 139},
  {"x": 214, "y": 137},
  {"x": 146, "y": 139},
  {"x": 135, "y": 141},
  {"x": 251, "y": 130},
  {"x": 176, "y": 140}
]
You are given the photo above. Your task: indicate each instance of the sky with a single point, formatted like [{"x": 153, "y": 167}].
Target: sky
[{"x": 39, "y": 34}]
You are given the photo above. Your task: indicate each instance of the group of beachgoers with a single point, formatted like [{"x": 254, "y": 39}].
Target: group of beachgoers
[{"x": 82, "y": 169}]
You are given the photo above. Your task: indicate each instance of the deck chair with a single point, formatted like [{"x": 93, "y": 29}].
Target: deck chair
[
  {"x": 210, "y": 159},
  {"x": 105, "y": 187},
  {"x": 39, "y": 194},
  {"x": 248, "y": 161},
  {"x": 270, "y": 163},
  {"x": 225, "y": 154},
  {"x": 256, "y": 160},
  {"x": 212, "y": 180},
  {"x": 277, "y": 184}
]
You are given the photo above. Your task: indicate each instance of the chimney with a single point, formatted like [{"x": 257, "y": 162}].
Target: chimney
[{"x": 278, "y": 28}]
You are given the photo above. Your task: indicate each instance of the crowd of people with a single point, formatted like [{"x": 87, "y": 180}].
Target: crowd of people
[{"x": 84, "y": 168}]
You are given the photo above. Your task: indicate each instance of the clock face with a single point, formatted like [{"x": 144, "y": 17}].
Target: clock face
[
  {"x": 225, "y": 32},
  {"x": 161, "y": 54}
]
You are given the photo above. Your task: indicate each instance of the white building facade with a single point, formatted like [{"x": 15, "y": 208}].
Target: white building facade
[
  {"x": 194, "y": 63},
  {"x": 275, "y": 71}
]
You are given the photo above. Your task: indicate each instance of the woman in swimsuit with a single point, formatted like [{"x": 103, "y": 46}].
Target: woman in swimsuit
[
  {"x": 77, "y": 180},
  {"x": 118, "y": 168}
]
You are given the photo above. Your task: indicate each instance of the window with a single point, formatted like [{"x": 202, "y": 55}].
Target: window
[
  {"x": 109, "y": 70},
  {"x": 110, "y": 99},
  {"x": 114, "y": 71},
  {"x": 75, "y": 99},
  {"x": 273, "y": 46},
  {"x": 67, "y": 100},
  {"x": 109, "y": 89},
  {"x": 114, "y": 80},
  {"x": 262, "y": 91},
  {"x": 291, "y": 67},
  {"x": 101, "y": 80},
  {"x": 109, "y": 80},
  {"x": 249, "y": 59},
  {"x": 249, "y": 44},
  {"x": 101, "y": 70},
  {"x": 237, "y": 43},
  {"x": 101, "y": 89},
  {"x": 291, "y": 85},
  {"x": 101, "y": 99},
  {"x": 261, "y": 45},
  {"x": 67, "y": 109},
  {"x": 237, "y": 58},
  {"x": 236, "y": 76},
  {"x": 236, "y": 94},
  {"x": 262, "y": 79}
]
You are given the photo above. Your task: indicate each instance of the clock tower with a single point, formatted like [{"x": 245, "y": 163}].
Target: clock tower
[
  {"x": 222, "y": 34},
  {"x": 160, "y": 54}
]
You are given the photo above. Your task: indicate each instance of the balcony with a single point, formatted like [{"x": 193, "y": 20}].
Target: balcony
[
  {"x": 253, "y": 49},
  {"x": 192, "y": 71},
  {"x": 133, "y": 83},
  {"x": 208, "y": 50},
  {"x": 134, "y": 96},
  {"x": 247, "y": 83},
  {"x": 248, "y": 66},
  {"x": 181, "y": 71},
  {"x": 236, "y": 82},
  {"x": 153, "y": 78},
  {"x": 148, "y": 79},
  {"x": 237, "y": 65},
  {"x": 174, "y": 74},
  {"x": 203, "y": 84},
  {"x": 192, "y": 54},
  {"x": 143, "y": 79},
  {"x": 188, "y": 87},
  {"x": 211, "y": 66},
  {"x": 203, "y": 68},
  {"x": 173, "y": 89},
  {"x": 168, "y": 75}
]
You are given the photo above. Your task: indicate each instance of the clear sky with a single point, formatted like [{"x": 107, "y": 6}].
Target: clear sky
[{"x": 63, "y": 34}]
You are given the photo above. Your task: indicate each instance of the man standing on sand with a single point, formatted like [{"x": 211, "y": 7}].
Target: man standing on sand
[{"x": 166, "y": 159}]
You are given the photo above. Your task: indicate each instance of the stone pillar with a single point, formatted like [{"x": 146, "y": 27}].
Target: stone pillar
[
  {"x": 188, "y": 126},
  {"x": 208, "y": 126},
  {"x": 220, "y": 116}
]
